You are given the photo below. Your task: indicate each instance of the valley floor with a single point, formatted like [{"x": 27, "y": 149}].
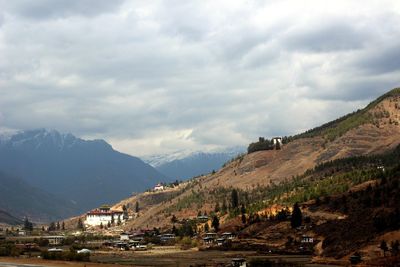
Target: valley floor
[{"x": 160, "y": 256}]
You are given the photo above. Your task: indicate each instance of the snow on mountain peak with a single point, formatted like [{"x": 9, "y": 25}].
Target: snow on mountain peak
[{"x": 160, "y": 159}]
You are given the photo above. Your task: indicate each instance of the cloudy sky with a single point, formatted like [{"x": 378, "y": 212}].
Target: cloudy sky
[{"x": 158, "y": 76}]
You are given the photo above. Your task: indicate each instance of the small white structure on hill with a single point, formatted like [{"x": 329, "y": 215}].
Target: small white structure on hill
[
  {"x": 103, "y": 216},
  {"x": 158, "y": 187},
  {"x": 277, "y": 142}
]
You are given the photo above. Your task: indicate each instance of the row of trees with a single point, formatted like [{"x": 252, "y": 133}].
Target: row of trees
[
  {"x": 54, "y": 226},
  {"x": 263, "y": 144}
]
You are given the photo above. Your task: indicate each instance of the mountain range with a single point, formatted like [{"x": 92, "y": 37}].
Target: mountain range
[
  {"x": 183, "y": 165},
  {"x": 81, "y": 174}
]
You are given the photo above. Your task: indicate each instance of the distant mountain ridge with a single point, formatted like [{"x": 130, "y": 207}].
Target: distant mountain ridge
[
  {"x": 18, "y": 199},
  {"x": 182, "y": 165},
  {"x": 86, "y": 172},
  {"x": 9, "y": 219}
]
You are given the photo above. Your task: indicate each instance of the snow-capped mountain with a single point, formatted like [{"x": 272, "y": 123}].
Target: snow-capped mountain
[
  {"x": 185, "y": 164},
  {"x": 44, "y": 139}
]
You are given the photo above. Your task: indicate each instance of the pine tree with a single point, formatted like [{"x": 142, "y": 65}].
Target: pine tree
[
  {"x": 215, "y": 223},
  {"x": 63, "y": 226},
  {"x": 28, "y": 226},
  {"x": 58, "y": 226},
  {"x": 137, "y": 207},
  {"x": 297, "y": 216},
  {"x": 244, "y": 218},
  {"x": 243, "y": 211},
  {"x": 52, "y": 227},
  {"x": 234, "y": 199}
]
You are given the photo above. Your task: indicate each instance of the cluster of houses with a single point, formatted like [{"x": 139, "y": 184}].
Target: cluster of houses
[
  {"x": 136, "y": 240},
  {"x": 213, "y": 239}
]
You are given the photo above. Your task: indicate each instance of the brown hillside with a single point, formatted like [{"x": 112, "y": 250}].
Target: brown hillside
[{"x": 374, "y": 129}]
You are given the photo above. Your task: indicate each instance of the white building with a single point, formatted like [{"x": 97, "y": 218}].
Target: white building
[
  {"x": 158, "y": 187},
  {"x": 103, "y": 216},
  {"x": 124, "y": 236},
  {"x": 277, "y": 141}
]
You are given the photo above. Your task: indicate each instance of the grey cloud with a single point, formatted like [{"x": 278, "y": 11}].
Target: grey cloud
[
  {"x": 381, "y": 59},
  {"x": 45, "y": 9},
  {"x": 334, "y": 36},
  {"x": 155, "y": 70}
]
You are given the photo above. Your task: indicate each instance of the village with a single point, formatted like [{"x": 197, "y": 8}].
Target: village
[{"x": 101, "y": 236}]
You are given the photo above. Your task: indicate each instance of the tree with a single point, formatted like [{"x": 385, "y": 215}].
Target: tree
[
  {"x": 186, "y": 229},
  {"x": 112, "y": 219},
  {"x": 234, "y": 199},
  {"x": 243, "y": 218},
  {"x": 174, "y": 219},
  {"x": 206, "y": 227},
  {"x": 125, "y": 212},
  {"x": 215, "y": 223},
  {"x": 174, "y": 230},
  {"x": 52, "y": 227},
  {"x": 243, "y": 211},
  {"x": 58, "y": 227},
  {"x": 384, "y": 247},
  {"x": 28, "y": 226},
  {"x": 297, "y": 216},
  {"x": 80, "y": 224},
  {"x": 63, "y": 226},
  {"x": 217, "y": 208},
  {"x": 137, "y": 207}
]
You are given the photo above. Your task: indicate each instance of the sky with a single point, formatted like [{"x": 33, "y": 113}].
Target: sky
[{"x": 153, "y": 77}]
